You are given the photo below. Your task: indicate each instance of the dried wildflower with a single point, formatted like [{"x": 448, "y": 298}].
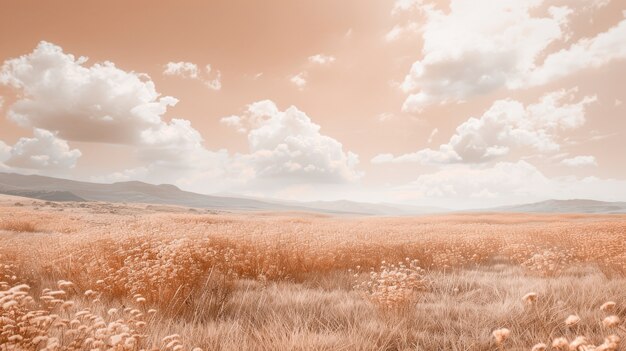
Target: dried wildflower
[
  {"x": 560, "y": 343},
  {"x": 501, "y": 335},
  {"x": 572, "y": 320},
  {"x": 530, "y": 298},
  {"x": 539, "y": 347},
  {"x": 613, "y": 339},
  {"x": 608, "y": 306},
  {"x": 611, "y": 343},
  {"x": 611, "y": 321},
  {"x": 579, "y": 342},
  {"x": 394, "y": 286}
]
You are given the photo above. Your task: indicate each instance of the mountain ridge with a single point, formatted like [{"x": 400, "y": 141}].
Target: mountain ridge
[
  {"x": 58, "y": 189},
  {"x": 565, "y": 206}
]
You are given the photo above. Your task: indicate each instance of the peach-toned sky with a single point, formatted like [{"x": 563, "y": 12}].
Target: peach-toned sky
[{"x": 456, "y": 103}]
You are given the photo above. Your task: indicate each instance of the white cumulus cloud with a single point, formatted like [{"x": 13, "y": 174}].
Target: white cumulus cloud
[
  {"x": 102, "y": 103},
  {"x": 506, "y": 126},
  {"x": 181, "y": 69},
  {"x": 476, "y": 47},
  {"x": 586, "y": 53},
  {"x": 43, "y": 151},
  {"x": 288, "y": 146},
  {"x": 64, "y": 99},
  {"x": 579, "y": 161},
  {"x": 479, "y": 46},
  {"x": 191, "y": 71}
]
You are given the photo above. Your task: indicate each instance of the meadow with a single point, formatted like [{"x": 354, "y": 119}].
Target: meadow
[{"x": 102, "y": 276}]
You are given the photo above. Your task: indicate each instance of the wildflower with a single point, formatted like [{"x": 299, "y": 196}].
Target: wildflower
[
  {"x": 608, "y": 306},
  {"x": 611, "y": 321},
  {"x": 572, "y": 320},
  {"x": 501, "y": 335},
  {"x": 578, "y": 342},
  {"x": 530, "y": 298},
  {"x": 539, "y": 347},
  {"x": 560, "y": 343},
  {"x": 611, "y": 343}
]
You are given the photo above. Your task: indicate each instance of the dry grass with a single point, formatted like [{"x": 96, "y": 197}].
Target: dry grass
[
  {"x": 18, "y": 226},
  {"x": 136, "y": 279}
]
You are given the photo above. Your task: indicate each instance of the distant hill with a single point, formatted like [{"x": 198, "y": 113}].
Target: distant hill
[
  {"x": 566, "y": 206},
  {"x": 378, "y": 208},
  {"x": 56, "y": 189}
]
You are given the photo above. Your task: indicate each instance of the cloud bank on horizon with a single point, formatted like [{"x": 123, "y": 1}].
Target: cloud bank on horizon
[{"x": 516, "y": 63}]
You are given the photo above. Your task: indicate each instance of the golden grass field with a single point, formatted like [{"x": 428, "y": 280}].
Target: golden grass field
[{"x": 99, "y": 276}]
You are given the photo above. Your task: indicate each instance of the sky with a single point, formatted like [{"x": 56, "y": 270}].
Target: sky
[{"x": 451, "y": 103}]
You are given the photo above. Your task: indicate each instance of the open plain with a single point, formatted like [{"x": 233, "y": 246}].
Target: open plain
[{"x": 128, "y": 277}]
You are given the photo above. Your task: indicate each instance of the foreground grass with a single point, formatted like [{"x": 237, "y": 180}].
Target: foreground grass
[
  {"x": 113, "y": 277},
  {"x": 460, "y": 313}
]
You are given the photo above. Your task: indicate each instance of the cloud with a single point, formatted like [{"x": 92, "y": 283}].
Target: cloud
[
  {"x": 586, "y": 53},
  {"x": 285, "y": 149},
  {"x": 215, "y": 83},
  {"x": 233, "y": 122},
  {"x": 580, "y": 161},
  {"x": 481, "y": 186},
  {"x": 506, "y": 126},
  {"x": 385, "y": 116},
  {"x": 43, "y": 151},
  {"x": 5, "y": 151},
  {"x": 432, "y": 135},
  {"x": 476, "y": 182},
  {"x": 100, "y": 103},
  {"x": 190, "y": 70},
  {"x": 321, "y": 59},
  {"x": 181, "y": 69},
  {"x": 299, "y": 80},
  {"x": 399, "y": 30},
  {"x": 593, "y": 4},
  {"x": 480, "y": 46},
  {"x": 1, "y": 102},
  {"x": 405, "y": 5},
  {"x": 64, "y": 99},
  {"x": 286, "y": 146}
]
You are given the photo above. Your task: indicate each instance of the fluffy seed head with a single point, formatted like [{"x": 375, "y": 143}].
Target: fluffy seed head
[
  {"x": 539, "y": 347},
  {"x": 560, "y": 343},
  {"x": 530, "y": 298},
  {"x": 572, "y": 320},
  {"x": 501, "y": 335},
  {"x": 611, "y": 321},
  {"x": 608, "y": 306}
]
